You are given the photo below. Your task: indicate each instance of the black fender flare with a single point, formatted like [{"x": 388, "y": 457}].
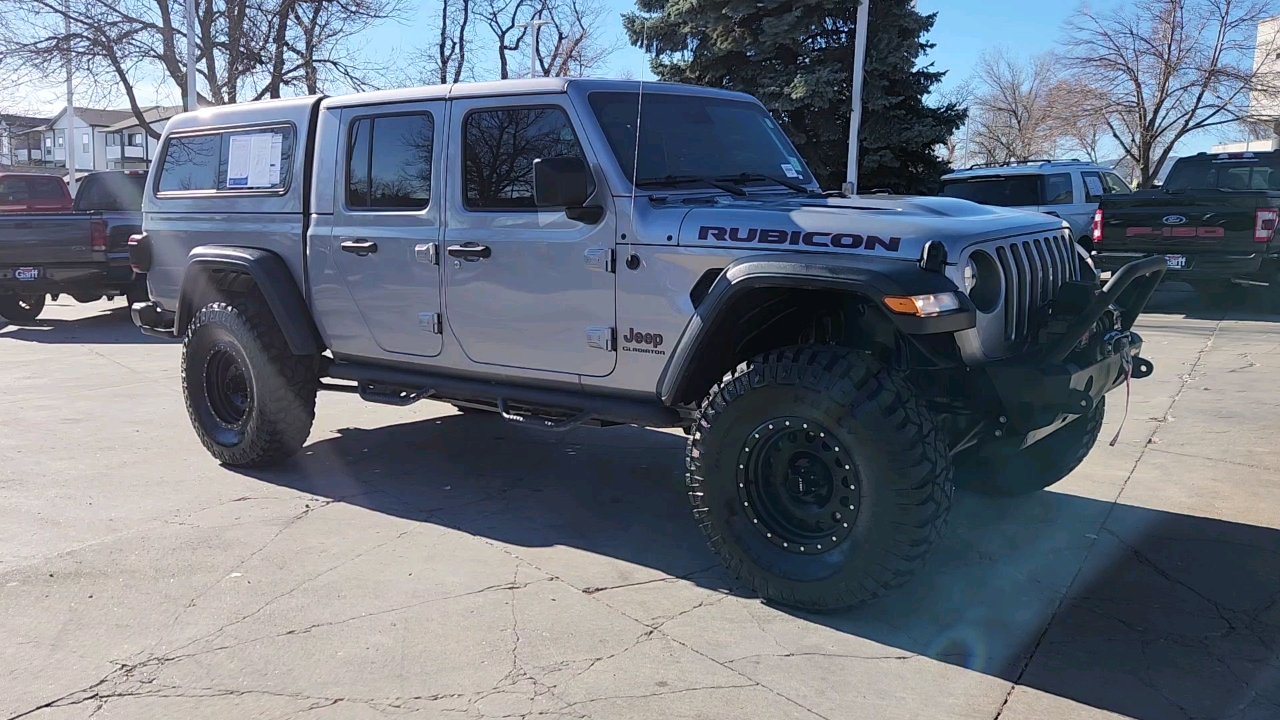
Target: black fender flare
[
  {"x": 869, "y": 276},
  {"x": 269, "y": 273}
]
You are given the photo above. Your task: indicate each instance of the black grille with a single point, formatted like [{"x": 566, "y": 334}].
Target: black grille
[{"x": 1033, "y": 271}]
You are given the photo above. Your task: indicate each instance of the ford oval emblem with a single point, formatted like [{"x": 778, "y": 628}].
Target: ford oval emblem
[{"x": 1174, "y": 220}]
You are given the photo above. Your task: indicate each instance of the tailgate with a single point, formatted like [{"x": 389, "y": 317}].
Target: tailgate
[
  {"x": 1192, "y": 223},
  {"x": 32, "y": 239}
]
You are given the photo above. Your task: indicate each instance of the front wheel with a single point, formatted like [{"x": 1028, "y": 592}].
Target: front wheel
[
  {"x": 251, "y": 400},
  {"x": 995, "y": 469},
  {"x": 818, "y": 477},
  {"x": 21, "y": 308}
]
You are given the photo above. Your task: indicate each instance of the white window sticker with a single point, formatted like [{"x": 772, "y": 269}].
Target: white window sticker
[
  {"x": 254, "y": 160},
  {"x": 1094, "y": 184},
  {"x": 238, "y": 162},
  {"x": 789, "y": 170}
]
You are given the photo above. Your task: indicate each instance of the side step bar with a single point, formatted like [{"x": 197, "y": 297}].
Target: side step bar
[{"x": 402, "y": 387}]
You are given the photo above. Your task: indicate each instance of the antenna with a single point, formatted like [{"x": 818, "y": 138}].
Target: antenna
[{"x": 635, "y": 160}]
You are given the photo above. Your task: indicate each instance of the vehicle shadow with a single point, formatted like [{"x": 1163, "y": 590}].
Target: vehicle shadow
[
  {"x": 1179, "y": 298},
  {"x": 111, "y": 326},
  {"x": 1170, "y": 616}
]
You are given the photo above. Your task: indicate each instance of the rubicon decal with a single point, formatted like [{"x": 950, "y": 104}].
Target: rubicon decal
[
  {"x": 648, "y": 343},
  {"x": 767, "y": 236}
]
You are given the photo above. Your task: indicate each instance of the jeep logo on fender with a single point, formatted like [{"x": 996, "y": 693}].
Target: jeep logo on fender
[
  {"x": 635, "y": 337},
  {"x": 766, "y": 236}
]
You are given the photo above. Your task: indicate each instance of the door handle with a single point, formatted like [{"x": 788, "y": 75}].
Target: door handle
[
  {"x": 359, "y": 247},
  {"x": 470, "y": 251}
]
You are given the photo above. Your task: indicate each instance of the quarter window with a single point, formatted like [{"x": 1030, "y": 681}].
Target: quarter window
[
  {"x": 389, "y": 162},
  {"x": 499, "y": 149},
  {"x": 190, "y": 163},
  {"x": 257, "y": 159}
]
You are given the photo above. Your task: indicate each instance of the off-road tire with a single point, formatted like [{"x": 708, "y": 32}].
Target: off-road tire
[
  {"x": 996, "y": 469},
  {"x": 900, "y": 464},
  {"x": 21, "y": 308},
  {"x": 281, "y": 387}
]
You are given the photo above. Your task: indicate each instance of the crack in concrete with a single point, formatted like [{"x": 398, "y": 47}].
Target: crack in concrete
[{"x": 1159, "y": 423}]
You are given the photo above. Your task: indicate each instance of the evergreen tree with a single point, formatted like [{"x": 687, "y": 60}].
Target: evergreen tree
[{"x": 797, "y": 57}]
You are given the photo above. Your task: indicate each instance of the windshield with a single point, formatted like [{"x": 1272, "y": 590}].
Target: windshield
[
  {"x": 1226, "y": 174},
  {"x": 112, "y": 191},
  {"x": 1012, "y": 191},
  {"x": 696, "y": 136}
]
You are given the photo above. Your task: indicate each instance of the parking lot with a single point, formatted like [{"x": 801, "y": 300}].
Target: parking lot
[{"x": 421, "y": 563}]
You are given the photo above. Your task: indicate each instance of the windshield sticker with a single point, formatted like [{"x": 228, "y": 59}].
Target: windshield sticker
[
  {"x": 789, "y": 170},
  {"x": 1094, "y": 184},
  {"x": 765, "y": 236}
]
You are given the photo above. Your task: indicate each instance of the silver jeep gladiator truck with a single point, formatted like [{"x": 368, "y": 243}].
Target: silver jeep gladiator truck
[{"x": 587, "y": 252}]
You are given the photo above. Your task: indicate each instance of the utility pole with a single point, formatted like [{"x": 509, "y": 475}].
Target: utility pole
[
  {"x": 192, "y": 97},
  {"x": 855, "y": 117},
  {"x": 69, "y": 136},
  {"x": 534, "y": 26}
]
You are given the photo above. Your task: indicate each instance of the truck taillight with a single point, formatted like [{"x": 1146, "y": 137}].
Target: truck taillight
[
  {"x": 140, "y": 253},
  {"x": 98, "y": 236},
  {"x": 1096, "y": 231},
  {"x": 1264, "y": 223}
]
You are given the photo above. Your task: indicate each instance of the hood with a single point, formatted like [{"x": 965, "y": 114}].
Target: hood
[{"x": 885, "y": 225}]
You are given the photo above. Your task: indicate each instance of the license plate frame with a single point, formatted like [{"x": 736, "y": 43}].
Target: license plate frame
[
  {"x": 1176, "y": 262},
  {"x": 26, "y": 273}
]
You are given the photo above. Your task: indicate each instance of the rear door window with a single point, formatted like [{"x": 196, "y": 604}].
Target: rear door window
[
  {"x": 190, "y": 164},
  {"x": 1001, "y": 190},
  {"x": 389, "y": 162},
  {"x": 1057, "y": 189}
]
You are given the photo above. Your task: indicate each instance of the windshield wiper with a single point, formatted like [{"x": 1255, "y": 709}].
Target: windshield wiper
[
  {"x": 686, "y": 179},
  {"x": 748, "y": 177}
]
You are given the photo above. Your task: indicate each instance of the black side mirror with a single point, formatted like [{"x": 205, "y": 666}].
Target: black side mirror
[{"x": 560, "y": 182}]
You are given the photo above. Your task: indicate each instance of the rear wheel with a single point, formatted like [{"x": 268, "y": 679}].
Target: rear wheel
[
  {"x": 994, "y": 468},
  {"x": 818, "y": 477},
  {"x": 21, "y": 308},
  {"x": 250, "y": 399}
]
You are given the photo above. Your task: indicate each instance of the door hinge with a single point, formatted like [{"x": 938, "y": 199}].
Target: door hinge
[
  {"x": 600, "y": 338},
  {"x": 427, "y": 253},
  {"x": 600, "y": 259},
  {"x": 430, "y": 322}
]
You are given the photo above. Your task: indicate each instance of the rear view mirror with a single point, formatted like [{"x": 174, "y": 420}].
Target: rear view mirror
[{"x": 560, "y": 182}]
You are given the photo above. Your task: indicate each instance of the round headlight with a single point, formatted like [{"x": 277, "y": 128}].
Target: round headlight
[{"x": 983, "y": 281}]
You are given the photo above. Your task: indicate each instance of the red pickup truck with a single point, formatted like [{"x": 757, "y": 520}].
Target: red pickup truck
[{"x": 30, "y": 192}]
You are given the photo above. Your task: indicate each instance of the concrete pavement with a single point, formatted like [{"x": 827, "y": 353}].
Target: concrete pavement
[{"x": 420, "y": 563}]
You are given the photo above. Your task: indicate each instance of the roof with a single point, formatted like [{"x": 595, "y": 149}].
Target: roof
[
  {"x": 93, "y": 117},
  {"x": 497, "y": 88},
  {"x": 153, "y": 114},
  {"x": 1025, "y": 168},
  {"x": 22, "y": 121}
]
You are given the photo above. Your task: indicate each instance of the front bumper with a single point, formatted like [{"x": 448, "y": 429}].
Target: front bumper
[{"x": 1045, "y": 389}]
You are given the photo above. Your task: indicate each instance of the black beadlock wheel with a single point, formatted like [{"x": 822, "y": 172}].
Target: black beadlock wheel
[
  {"x": 21, "y": 308},
  {"x": 250, "y": 399},
  {"x": 818, "y": 477},
  {"x": 995, "y": 468}
]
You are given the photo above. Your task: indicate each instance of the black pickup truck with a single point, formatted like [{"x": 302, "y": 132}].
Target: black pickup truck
[
  {"x": 83, "y": 253},
  {"x": 1214, "y": 221}
]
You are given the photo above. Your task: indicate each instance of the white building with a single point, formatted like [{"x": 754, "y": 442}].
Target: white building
[
  {"x": 1264, "y": 101},
  {"x": 128, "y": 144},
  {"x": 91, "y": 149}
]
